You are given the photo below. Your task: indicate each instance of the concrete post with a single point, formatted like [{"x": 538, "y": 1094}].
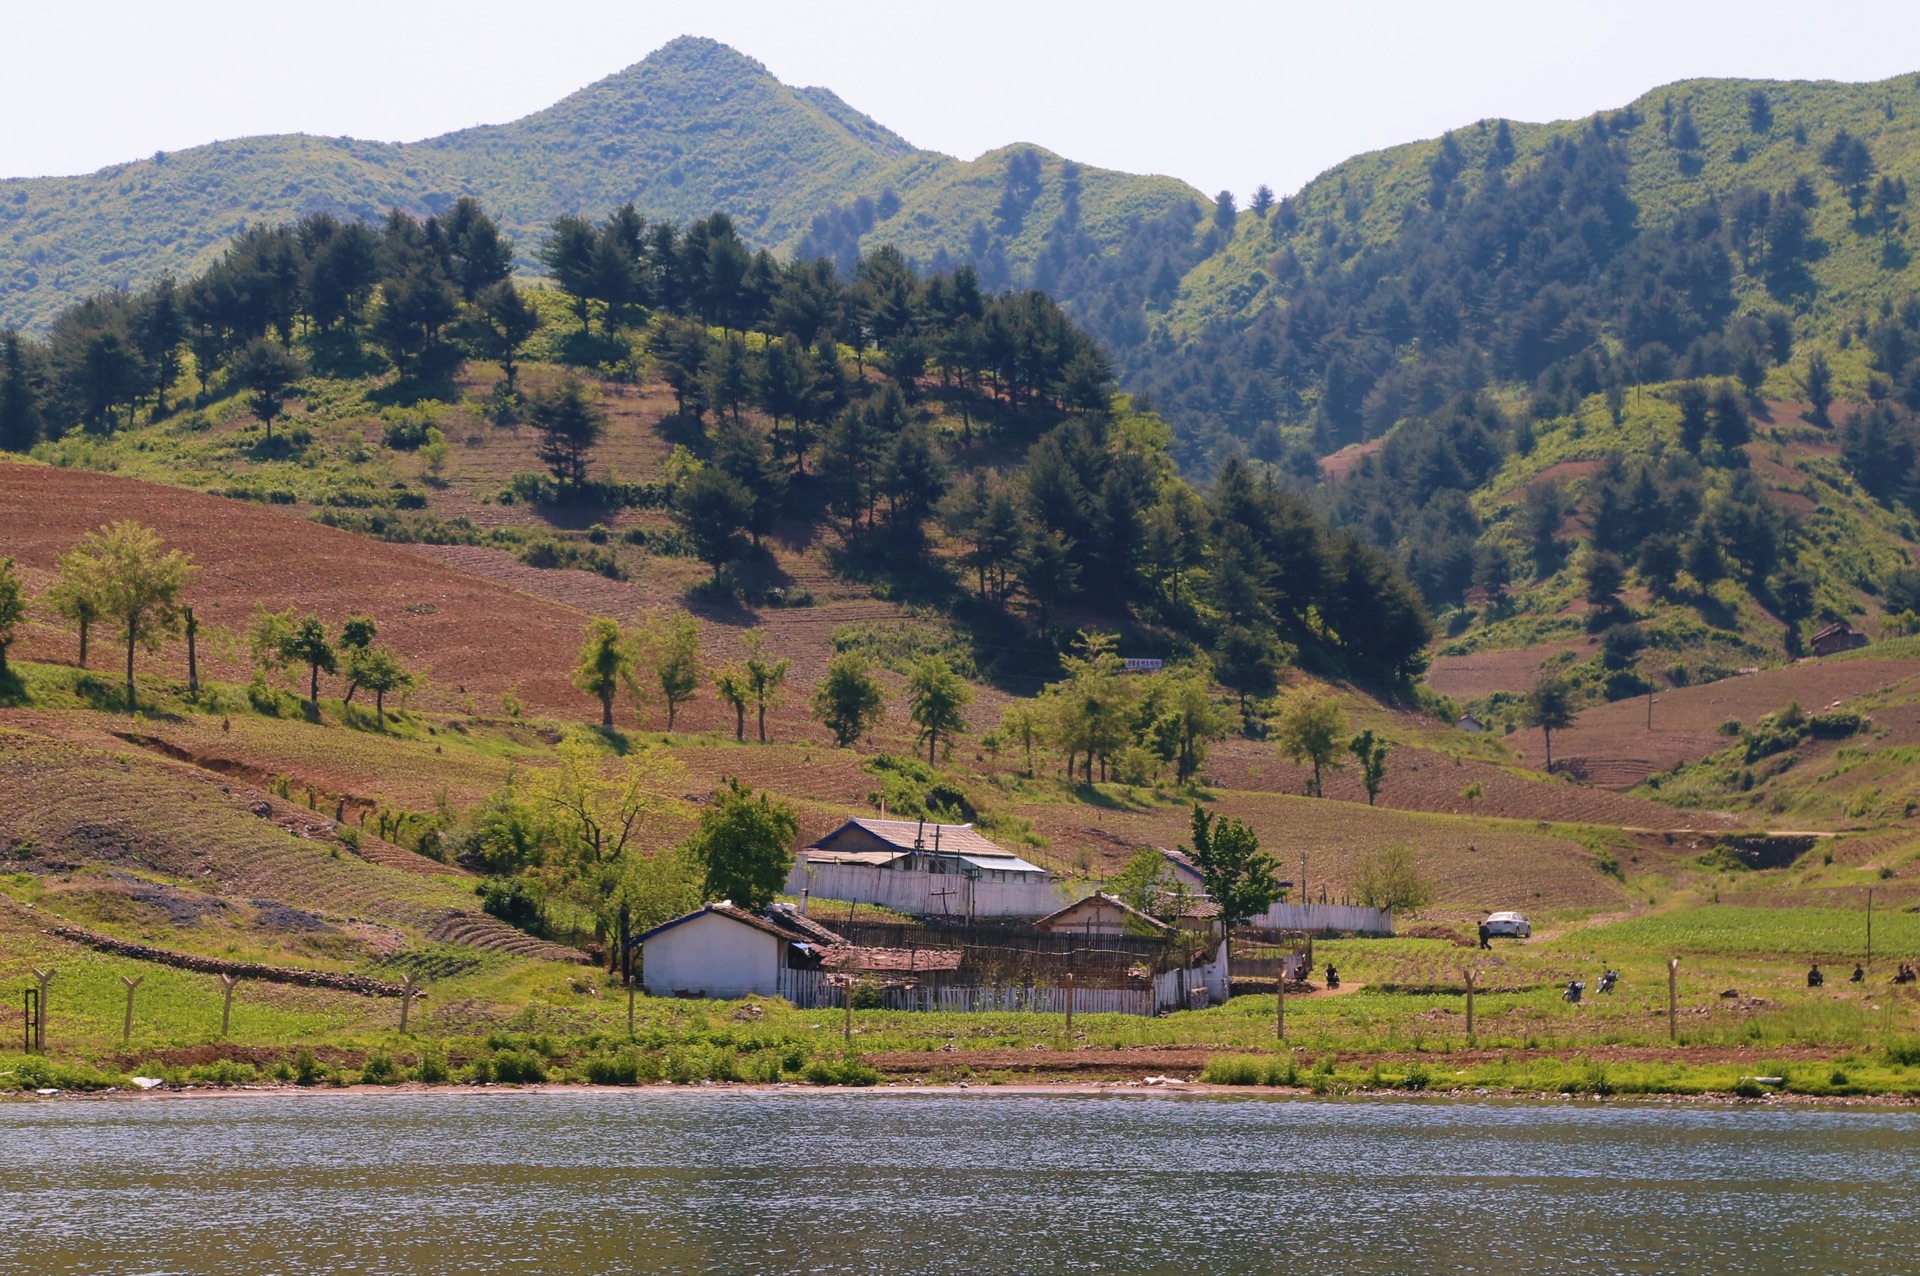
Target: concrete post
[{"x": 126, "y": 1025}]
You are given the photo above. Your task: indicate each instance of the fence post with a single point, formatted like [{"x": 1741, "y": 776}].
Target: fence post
[
  {"x": 126, "y": 1026},
  {"x": 40, "y": 1019},
  {"x": 1070, "y": 998},
  {"x": 1468, "y": 972},
  {"x": 406, "y": 999},
  {"x": 29, "y": 1017},
  {"x": 227, "y": 984},
  {"x": 1673, "y": 1013},
  {"x": 629, "y": 1007}
]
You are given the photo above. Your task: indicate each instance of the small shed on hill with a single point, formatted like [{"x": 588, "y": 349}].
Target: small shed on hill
[{"x": 1835, "y": 638}]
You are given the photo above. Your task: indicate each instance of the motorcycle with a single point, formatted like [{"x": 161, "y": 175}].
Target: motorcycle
[
  {"x": 1607, "y": 981},
  {"x": 1573, "y": 990}
]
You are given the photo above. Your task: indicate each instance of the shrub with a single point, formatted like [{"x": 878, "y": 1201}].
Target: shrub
[
  {"x": 1283, "y": 1070},
  {"x": 1417, "y": 1077},
  {"x": 307, "y": 1070},
  {"x": 1731, "y": 728},
  {"x": 379, "y": 1069},
  {"x": 1835, "y": 725},
  {"x": 406, "y": 430},
  {"x": 614, "y": 1069},
  {"x": 432, "y": 1068},
  {"x": 1234, "y": 1069},
  {"x": 519, "y": 1067},
  {"x": 223, "y": 1072},
  {"x": 866, "y": 995},
  {"x": 1903, "y": 1050},
  {"x": 843, "y": 1071}
]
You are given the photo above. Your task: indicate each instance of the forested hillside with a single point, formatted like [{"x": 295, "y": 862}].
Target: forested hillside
[
  {"x": 967, "y": 449},
  {"x": 693, "y": 128}
]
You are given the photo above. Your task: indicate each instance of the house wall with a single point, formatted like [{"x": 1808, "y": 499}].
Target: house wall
[
  {"x": 930, "y": 894},
  {"x": 1091, "y": 919},
  {"x": 714, "y": 956}
]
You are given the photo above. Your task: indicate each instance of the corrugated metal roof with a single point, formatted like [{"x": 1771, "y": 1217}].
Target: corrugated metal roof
[
  {"x": 954, "y": 839},
  {"x": 999, "y": 863}
]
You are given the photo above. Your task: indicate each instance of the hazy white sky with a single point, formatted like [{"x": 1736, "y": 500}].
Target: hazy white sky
[{"x": 1220, "y": 94}]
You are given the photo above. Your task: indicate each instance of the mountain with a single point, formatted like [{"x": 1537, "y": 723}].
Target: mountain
[
  {"x": 1693, "y": 151},
  {"x": 695, "y": 127}
]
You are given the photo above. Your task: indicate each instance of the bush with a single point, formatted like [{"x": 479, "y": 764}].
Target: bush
[
  {"x": 1417, "y": 1077},
  {"x": 406, "y": 429},
  {"x": 33, "y": 1072},
  {"x": 432, "y": 1068},
  {"x": 1835, "y": 725},
  {"x": 843, "y": 1071},
  {"x": 379, "y": 1069},
  {"x": 307, "y": 1070},
  {"x": 223, "y": 1072},
  {"x": 1235, "y": 1069},
  {"x": 614, "y": 1069},
  {"x": 866, "y": 995},
  {"x": 519, "y": 1067}
]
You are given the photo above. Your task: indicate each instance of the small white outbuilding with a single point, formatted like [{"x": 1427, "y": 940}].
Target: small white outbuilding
[{"x": 721, "y": 951}]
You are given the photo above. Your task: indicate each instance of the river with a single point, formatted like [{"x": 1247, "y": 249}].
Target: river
[{"x": 889, "y": 1182}]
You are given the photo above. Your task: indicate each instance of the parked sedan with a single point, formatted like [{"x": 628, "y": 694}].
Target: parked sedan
[{"x": 1508, "y": 924}]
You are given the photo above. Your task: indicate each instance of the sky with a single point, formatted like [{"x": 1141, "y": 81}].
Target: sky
[{"x": 1224, "y": 95}]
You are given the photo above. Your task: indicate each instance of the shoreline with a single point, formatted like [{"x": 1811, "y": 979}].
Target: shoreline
[{"x": 1171, "y": 1088}]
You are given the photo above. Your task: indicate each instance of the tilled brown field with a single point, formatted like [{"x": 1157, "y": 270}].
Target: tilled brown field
[{"x": 1612, "y": 745}]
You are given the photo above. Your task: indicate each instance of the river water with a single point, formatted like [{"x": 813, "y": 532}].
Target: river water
[{"x": 878, "y": 1182}]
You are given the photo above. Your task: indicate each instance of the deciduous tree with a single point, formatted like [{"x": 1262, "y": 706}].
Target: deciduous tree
[
  {"x": 13, "y": 610},
  {"x": 605, "y": 664},
  {"x": 1549, "y": 706},
  {"x": 936, "y": 697},
  {"x": 1309, "y": 729},
  {"x": 1371, "y": 753},
  {"x": 140, "y": 582},
  {"x": 1238, "y": 876},
  {"x": 745, "y": 845},
  {"x": 849, "y": 699},
  {"x": 667, "y": 643}
]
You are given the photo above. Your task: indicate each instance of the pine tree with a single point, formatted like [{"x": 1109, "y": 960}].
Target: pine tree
[{"x": 570, "y": 424}]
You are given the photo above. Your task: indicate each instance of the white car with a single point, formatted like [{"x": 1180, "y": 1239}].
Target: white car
[{"x": 1508, "y": 924}]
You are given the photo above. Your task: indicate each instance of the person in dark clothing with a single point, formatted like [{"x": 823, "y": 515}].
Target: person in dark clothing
[
  {"x": 1814, "y": 977},
  {"x": 1858, "y": 975},
  {"x": 1485, "y": 934},
  {"x": 1333, "y": 976}
]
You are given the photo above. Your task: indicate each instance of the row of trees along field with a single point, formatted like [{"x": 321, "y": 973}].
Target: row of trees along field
[{"x": 893, "y": 405}]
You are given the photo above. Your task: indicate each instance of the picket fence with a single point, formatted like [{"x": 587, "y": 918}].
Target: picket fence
[
  {"x": 1317, "y": 919},
  {"x": 923, "y": 894}
]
